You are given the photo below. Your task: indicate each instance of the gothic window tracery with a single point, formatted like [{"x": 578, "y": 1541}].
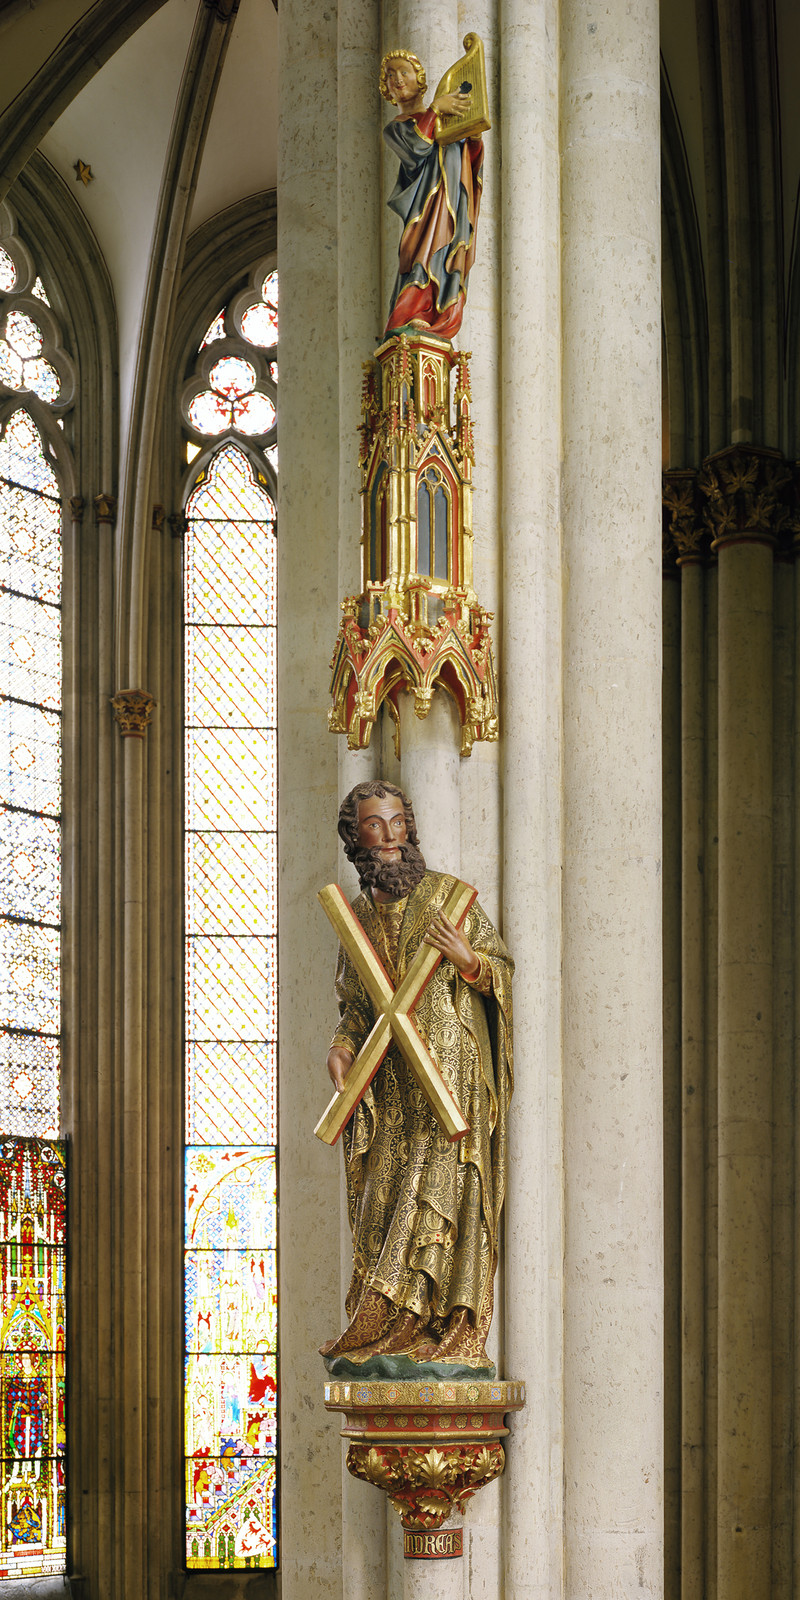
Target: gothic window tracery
[
  {"x": 36, "y": 384},
  {"x": 231, "y": 932}
]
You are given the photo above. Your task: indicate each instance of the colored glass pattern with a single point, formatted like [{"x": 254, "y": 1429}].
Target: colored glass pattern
[
  {"x": 230, "y": 1283},
  {"x": 22, "y": 365},
  {"x": 32, "y": 1160},
  {"x": 30, "y": 797},
  {"x": 232, "y": 400},
  {"x": 8, "y": 275},
  {"x": 260, "y": 321},
  {"x": 214, "y": 331},
  {"x": 32, "y": 1341}
]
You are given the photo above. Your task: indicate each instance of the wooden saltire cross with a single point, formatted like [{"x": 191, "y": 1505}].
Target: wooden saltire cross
[{"x": 393, "y": 1021}]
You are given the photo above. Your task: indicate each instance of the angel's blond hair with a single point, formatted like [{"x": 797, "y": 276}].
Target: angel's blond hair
[{"x": 401, "y": 55}]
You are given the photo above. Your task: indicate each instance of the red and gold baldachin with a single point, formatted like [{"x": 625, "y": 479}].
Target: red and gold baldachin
[{"x": 418, "y": 624}]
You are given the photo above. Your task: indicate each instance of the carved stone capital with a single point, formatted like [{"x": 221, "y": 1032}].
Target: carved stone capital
[
  {"x": 745, "y": 487},
  {"x": 793, "y": 525},
  {"x": 105, "y": 508},
  {"x": 77, "y": 506},
  {"x": 133, "y": 709},
  {"x": 158, "y": 519},
  {"x": 177, "y": 524},
  {"x": 684, "y": 534}
]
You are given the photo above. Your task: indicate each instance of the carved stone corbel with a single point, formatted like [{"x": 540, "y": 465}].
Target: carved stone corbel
[
  {"x": 429, "y": 1445},
  {"x": 105, "y": 508},
  {"x": 133, "y": 709}
]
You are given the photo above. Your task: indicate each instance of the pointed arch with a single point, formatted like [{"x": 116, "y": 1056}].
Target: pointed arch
[{"x": 684, "y": 306}]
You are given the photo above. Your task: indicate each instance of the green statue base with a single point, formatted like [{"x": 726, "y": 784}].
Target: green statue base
[{"x": 404, "y": 1367}]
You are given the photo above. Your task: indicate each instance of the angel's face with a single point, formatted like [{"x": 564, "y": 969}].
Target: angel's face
[{"x": 402, "y": 82}]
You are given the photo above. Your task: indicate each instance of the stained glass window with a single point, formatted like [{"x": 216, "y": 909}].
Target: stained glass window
[
  {"x": 22, "y": 365},
  {"x": 8, "y": 275},
  {"x": 231, "y": 1004},
  {"x": 32, "y": 1217},
  {"x": 32, "y": 1239},
  {"x": 231, "y": 401}
]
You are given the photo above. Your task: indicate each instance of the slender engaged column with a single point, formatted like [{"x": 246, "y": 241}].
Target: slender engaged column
[
  {"x": 685, "y": 1211},
  {"x": 796, "y": 1118},
  {"x": 783, "y": 1190},
  {"x": 693, "y": 1240},
  {"x": 744, "y": 485},
  {"x": 443, "y": 1579},
  {"x": 613, "y": 1355},
  {"x": 530, "y": 710},
  {"x": 744, "y": 1440},
  {"x": 745, "y": 1071},
  {"x": 671, "y": 890},
  {"x": 359, "y": 311},
  {"x": 308, "y": 608},
  {"x": 711, "y": 970}
]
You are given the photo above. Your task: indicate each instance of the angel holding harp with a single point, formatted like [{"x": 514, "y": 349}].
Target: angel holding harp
[{"x": 438, "y": 189}]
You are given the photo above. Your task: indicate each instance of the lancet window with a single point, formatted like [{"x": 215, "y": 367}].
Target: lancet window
[
  {"x": 231, "y": 938},
  {"x": 36, "y": 386},
  {"x": 379, "y": 529},
  {"x": 433, "y": 526}
]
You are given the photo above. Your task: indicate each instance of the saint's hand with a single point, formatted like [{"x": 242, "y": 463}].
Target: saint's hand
[
  {"x": 339, "y": 1064},
  {"x": 452, "y": 104},
  {"x": 445, "y": 936}
]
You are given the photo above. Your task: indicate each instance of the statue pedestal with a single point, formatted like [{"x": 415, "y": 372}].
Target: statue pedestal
[{"x": 429, "y": 1445}]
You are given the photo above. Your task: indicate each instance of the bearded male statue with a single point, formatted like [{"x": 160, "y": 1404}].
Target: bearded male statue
[{"x": 424, "y": 1212}]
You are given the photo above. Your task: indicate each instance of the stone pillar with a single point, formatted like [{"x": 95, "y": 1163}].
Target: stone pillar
[
  {"x": 359, "y": 318},
  {"x": 671, "y": 899},
  {"x": 693, "y": 1076},
  {"x": 711, "y": 877},
  {"x": 308, "y": 599},
  {"x": 429, "y": 763},
  {"x": 443, "y": 1578},
  {"x": 613, "y": 1326},
  {"x": 743, "y": 485},
  {"x": 530, "y": 712},
  {"x": 481, "y": 335},
  {"x": 796, "y": 1117},
  {"x": 686, "y": 1382},
  {"x": 783, "y": 1068}
]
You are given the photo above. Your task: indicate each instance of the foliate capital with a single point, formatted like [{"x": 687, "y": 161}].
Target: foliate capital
[
  {"x": 684, "y": 535},
  {"x": 745, "y": 488},
  {"x": 133, "y": 709}
]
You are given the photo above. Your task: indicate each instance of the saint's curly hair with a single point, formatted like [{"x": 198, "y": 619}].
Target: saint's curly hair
[
  {"x": 401, "y": 55},
  {"x": 378, "y": 789}
]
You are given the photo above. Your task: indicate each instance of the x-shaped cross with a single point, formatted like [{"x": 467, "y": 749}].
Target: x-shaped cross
[{"x": 393, "y": 1021}]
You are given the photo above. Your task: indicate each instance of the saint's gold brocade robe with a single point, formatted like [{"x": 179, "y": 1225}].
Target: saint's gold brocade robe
[{"x": 424, "y": 1212}]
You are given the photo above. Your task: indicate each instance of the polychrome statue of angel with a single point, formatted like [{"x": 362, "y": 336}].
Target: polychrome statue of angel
[{"x": 438, "y": 189}]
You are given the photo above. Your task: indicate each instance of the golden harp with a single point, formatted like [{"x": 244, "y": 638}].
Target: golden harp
[{"x": 467, "y": 76}]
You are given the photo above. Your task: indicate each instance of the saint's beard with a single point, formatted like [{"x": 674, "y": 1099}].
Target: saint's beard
[{"x": 395, "y": 878}]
